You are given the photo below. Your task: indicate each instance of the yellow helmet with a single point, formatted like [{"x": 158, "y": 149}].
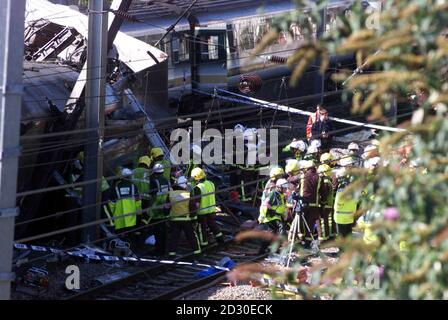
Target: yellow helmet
[
  {"x": 276, "y": 172},
  {"x": 80, "y": 156},
  {"x": 156, "y": 152},
  {"x": 326, "y": 157},
  {"x": 292, "y": 166},
  {"x": 325, "y": 169},
  {"x": 144, "y": 160},
  {"x": 197, "y": 174}
]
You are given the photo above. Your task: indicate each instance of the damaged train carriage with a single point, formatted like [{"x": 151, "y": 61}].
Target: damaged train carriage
[{"x": 54, "y": 56}]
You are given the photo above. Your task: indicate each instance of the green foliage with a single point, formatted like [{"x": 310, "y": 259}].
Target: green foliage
[{"x": 409, "y": 53}]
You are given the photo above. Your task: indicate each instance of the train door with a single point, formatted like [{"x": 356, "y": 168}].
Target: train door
[{"x": 211, "y": 67}]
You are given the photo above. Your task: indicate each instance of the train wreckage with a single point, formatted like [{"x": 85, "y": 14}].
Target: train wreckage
[{"x": 52, "y": 108}]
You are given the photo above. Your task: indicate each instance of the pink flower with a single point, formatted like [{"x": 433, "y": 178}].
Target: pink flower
[
  {"x": 391, "y": 214},
  {"x": 382, "y": 271}
]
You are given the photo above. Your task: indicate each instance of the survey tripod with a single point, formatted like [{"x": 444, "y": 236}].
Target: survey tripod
[{"x": 295, "y": 229}]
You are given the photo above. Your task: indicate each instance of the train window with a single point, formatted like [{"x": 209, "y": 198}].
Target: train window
[
  {"x": 175, "y": 50},
  {"x": 183, "y": 50},
  {"x": 179, "y": 49},
  {"x": 210, "y": 47},
  {"x": 246, "y": 36}
]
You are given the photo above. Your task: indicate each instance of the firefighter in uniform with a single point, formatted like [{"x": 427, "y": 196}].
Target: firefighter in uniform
[
  {"x": 140, "y": 177},
  {"x": 309, "y": 193},
  {"x": 327, "y": 202},
  {"x": 159, "y": 188},
  {"x": 157, "y": 157},
  {"x": 273, "y": 211},
  {"x": 182, "y": 217},
  {"x": 293, "y": 171},
  {"x": 205, "y": 204},
  {"x": 327, "y": 158},
  {"x": 125, "y": 203}
]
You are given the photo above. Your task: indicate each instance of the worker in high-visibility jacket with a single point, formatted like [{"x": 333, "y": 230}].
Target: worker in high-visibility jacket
[
  {"x": 292, "y": 169},
  {"x": 182, "y": 217},
  {"x": 205, "y": 204},
  {"x": 274, "y": 174},
  {"x": 159, "y": 189},
  {"x": 140, "y": 177},
  {"x": 273, "y": 211},
  {"x": 344, "y": 205},
  {"x": 125, "y": 203},
  {"x": 297, "y": 148},
  {"x": 157, "y": 157},
  {"x": 313, "y": 118},
  {"x": 364, "y": 223},
  {"x": 327, "y": 202}
]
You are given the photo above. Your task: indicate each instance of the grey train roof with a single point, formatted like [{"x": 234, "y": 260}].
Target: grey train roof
[
  {"x": 162, "y": 13},
  {"x": 45, "y": 79}
]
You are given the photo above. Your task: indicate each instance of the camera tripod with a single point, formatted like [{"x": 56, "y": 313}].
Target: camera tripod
[{"x": 295, "y": 231}]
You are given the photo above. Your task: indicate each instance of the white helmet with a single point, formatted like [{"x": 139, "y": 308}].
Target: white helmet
[
  {"x": 341, "y": 172},
  {"x": 239, "y": 128},
  {"x": 298, "y": 145},
  {"x": 302, "y": 164},
  {"x": 353, "y": 146},
  {"x": 308, "y": 164},
  {"x": 282, "y": 183},
  {"x": 370, "y": 148},
  {"x": 250, "y": 134},
  {"x": 312, "y": 149},
  {"x": 372, "y": 163},
  {"x": 158, "y": 168},
  {"x": 414, "y": 163},
  {"x": 126, "y": 172},
  {"x": 182, "y": 182},
  {"x": 366, "y": 153},
  {"x": 316, "y": 142}
]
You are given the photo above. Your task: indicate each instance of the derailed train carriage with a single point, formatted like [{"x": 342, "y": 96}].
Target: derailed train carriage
[
  {"x": 53, "y": 122},
  {"x": 212, "y": 47},
  {"x": 47, "y": 87}
]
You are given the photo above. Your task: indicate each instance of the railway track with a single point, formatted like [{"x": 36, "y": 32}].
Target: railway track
[
  {"x": 164, "y": 281},
  {"x": 172, "y": 278}
]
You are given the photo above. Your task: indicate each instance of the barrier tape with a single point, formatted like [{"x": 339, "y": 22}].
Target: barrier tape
[
  {"x": 265, "y": 104},
  {"x": 106, "y": 257}
]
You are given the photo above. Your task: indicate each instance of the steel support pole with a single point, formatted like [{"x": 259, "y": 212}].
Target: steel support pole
[
  {"x": 95, "y": 98},
  {"x": 320, "y": 78},
  {"x": 12, "y": 14}
]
